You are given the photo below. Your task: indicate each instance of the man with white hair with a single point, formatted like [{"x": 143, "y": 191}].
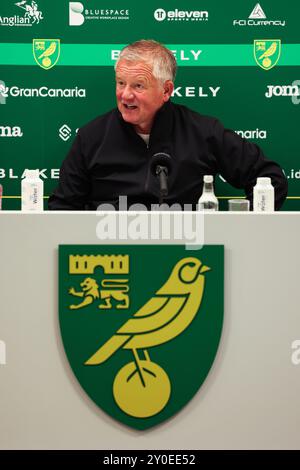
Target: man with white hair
[{"x": 112, "y": 155}]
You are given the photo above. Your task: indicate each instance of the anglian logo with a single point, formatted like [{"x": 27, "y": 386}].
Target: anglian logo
[
  {"x": 267, "y": 52},
  {"x": 46, "y": 52},
  {"x": 31, "y": 16},
  {"x": 132, "y": 326}
]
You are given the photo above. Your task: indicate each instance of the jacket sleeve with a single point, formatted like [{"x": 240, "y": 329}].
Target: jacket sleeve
[
  {"x": 72, "y": 192},
  {"x": 241, "y": 162}
]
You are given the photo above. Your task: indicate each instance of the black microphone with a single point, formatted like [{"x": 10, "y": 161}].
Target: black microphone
[{"x": 161, "y": 164}]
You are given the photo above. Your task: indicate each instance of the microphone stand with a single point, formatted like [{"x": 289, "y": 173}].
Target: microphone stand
[{"x": 162, "y": 173}]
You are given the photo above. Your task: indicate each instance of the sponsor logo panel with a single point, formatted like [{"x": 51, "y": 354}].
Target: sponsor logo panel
[
  {"x": 292, "y": 91},
  {"x": 13, "y": 174},
  {"x": 10, "y": 131},
  {"x": 258, "y": 18},
  {"x": 15, "y": 91},
  {"x": 180, "y": 15},
  {"x": 32, "y": 15},
  {"x": 78, "y": 14}
]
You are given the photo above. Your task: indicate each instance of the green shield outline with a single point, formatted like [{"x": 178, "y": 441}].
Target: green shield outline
[
  {"x": 278, "y": 41},
  {"x": 187, "y": 359},
  {"x": 57, "y": 52}
]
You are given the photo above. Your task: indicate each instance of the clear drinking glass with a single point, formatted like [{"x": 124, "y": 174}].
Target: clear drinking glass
[{"x": 238, "y": 205}]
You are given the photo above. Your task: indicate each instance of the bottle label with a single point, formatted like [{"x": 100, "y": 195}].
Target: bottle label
[
  {"x": 263, "y": 200},
  {"x": 32, "y": 196}
]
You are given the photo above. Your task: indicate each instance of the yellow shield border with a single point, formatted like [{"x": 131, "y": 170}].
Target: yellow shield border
[
  {"x": 278, "y": 41},
  {"x": 58, "y": 52}
]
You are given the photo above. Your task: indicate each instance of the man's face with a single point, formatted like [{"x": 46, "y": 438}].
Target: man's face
[{"x": 139, "y": 94}]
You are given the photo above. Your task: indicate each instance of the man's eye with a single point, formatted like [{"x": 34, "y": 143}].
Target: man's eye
[
  {"x": 120, "y": 83},
  {"x": 139, "y": 86}
]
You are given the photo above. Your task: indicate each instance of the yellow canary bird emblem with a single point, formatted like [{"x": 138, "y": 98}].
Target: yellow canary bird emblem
[
  {"x": 49, "y": 51},
  {"x": 267, "y": 52},
  {"x": 270, "y": 51},
  {"x": 142, "y": 388}
]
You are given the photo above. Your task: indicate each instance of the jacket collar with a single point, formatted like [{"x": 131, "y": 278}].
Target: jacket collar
[{"x": 162, "y": 126}]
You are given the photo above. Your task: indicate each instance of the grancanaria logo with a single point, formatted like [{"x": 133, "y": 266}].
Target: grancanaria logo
[
  {"x": 142, "y": 344},
  {"x": 46, "y": 52}
]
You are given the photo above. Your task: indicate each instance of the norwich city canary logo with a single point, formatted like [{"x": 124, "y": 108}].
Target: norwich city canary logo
[
  {"x": 46, "y": 52},
  {"x": 140, "y": 325},
  {"x": 267, "y": 52}
]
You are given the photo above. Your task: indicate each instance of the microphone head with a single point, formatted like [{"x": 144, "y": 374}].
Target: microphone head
[{"x": 161, "y": 159}]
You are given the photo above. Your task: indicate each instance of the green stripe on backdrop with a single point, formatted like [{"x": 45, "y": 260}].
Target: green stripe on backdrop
[{"x": 100, "y": 54}]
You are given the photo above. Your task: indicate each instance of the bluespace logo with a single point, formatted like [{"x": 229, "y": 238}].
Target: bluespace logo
[{"x": 78, "y": 14}]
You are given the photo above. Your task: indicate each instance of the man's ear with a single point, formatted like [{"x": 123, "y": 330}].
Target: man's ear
[{"x": 168, "y": 89}]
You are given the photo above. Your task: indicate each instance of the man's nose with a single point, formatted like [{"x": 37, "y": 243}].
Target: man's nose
[{"x": 127, "y": 93}]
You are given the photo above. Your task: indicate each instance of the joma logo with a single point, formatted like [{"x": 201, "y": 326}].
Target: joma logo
[{"x": 7, "y": 131}]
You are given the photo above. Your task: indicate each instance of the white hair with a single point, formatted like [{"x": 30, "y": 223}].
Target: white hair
[{"x": 156, "y": 55}]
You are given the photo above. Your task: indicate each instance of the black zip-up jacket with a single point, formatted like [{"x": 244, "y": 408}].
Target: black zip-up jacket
[{"x": 109, "y": 159}]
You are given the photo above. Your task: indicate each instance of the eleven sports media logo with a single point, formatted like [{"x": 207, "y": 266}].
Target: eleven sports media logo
[
  {"x": 180, "y": 15},
  {"x": 139, "y": 334}
]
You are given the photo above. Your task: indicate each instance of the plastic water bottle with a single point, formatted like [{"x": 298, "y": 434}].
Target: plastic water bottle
[
  {"x": 263, "y": 195},
  {"x": 32, "y": 191},
  {"x": 208, "y": 201}
]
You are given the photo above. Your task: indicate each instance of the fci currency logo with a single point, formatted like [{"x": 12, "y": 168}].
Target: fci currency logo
[
  {"x": 267, "y": 52},
  {"x": 140, "y": 335},
  {"x": 46, "y": 52},
  {"x": 257, "y": 12},
  {"x": 258, "y": 18}
]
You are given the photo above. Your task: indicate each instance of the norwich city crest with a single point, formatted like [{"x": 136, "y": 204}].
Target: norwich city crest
[
  {"x": 267, "y": 52},
  {"x": 46, "y": 52},
  {"x": 140, "y": 324}
]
